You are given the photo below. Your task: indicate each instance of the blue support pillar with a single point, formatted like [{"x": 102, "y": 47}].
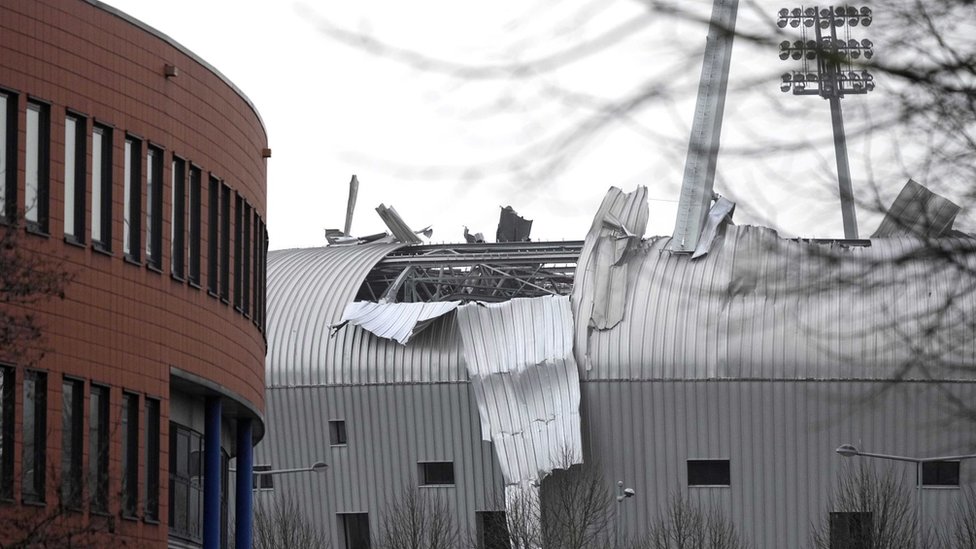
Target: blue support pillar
[
  {"x": 245, "y": 468},
  {"x": 211, "y": 475}
]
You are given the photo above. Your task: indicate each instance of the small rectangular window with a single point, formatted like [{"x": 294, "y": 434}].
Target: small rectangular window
[
  {"x": 194, "y": 244},
  {"x": 492, "y": 530},
  {"x": 262, "y": 480},
  {"x": 34, "y": 458},
  {"x": 940, "y": 473},
  {"x": 132, "y": 199},
  {"x": 337, "y": 432},
  {"x": 37, "y": 167},
  {"x": 151, "y": 512},
  {"x": 708, "y": 472},
  {"x": 98, "y": 406},
  {"x": 101, "y": 217},
  {"x": 6, "y": 432},
  {"x": 8, "y": 156},
  {"x": 72, "y": 427},
  {"x": 130, "y": 453},
  {"x": 154, "y": 207},
  {"x": 178, "y": 218},
  {"x": 354, "y": 530},
  {"x": 75, "y": 131},
  {"x": 225, "y": 243},
  {"x": 433, "y": 473},
  {"x": 213, "y": 234},
  {"x": 851, "y": 530}
]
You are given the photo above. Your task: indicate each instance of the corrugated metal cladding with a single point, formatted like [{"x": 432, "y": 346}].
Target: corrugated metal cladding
[{"x": 759, "y": 306}]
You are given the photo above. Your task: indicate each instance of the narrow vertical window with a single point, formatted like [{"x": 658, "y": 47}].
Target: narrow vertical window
[
  {"x": 132, "y": 199},
  {"x": 256, "y": 316},
  {"x": 101, "y": 217},
  {"x": 178, "y": 221},
  {"x": 246, "y": 261},
  {"x": 225, "y": 243},
  {"x": 130, "y": 453},
  {"x": 6, "y": 433},
  {"x": 8, "y": 155},
  {"x": 75, "y": 130},
  {"x": 34, "y": 458},
  {"x": 154, "y": 207},
  {"x": 98, "y": 403},
  {"x": 72, "y": 426},
  {"x": 492, "y": 530},
  {"x": 152, "y": 460},
  {"x": 194, "y": 243},
  {"x": 238, "y": 256},
  {"x": 37, "y": 167},
  {"x": 354, "y": 530},
  {"x": 213, "y": 220}
]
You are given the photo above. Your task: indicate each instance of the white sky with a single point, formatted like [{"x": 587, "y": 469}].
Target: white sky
[{"x": 332, "y": 110}]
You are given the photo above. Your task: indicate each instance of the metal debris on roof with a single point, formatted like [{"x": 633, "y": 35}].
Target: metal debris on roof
[
  {"x": 512, "y": 227},
  {"x": 719, "y": 214},
  {"x": 396, "y": 321},
  {"x": 397, "y": 226},
  {"x": 918, "y": 212},
  {"x": 476, "y": 238}
]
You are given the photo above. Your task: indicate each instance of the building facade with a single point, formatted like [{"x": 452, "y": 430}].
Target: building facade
[
  {"x": 728, "y": 379},
  {"x": 139, "y": 171}
]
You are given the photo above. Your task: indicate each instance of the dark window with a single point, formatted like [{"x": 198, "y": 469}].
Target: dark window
[
  {"x": 436, "y": 472},
  {"x": 225, "y": 243},
  {"x": 98, "y": 448},
  {"x": 8, "y": 155},
  {"x": 354, "y": 530},
  {"x": 6, "y": 433},
  {"x": 178, "y": 218},
  {"x": 75, "y": 132},
  {"x": 37, "y": 167},
  {"x": 132, "y": 200},
  {"x": 708, "y": 472},
  {"x": 492, "y": 530},
  {"x": 213, "y": 233},
  {"x": 72, "y": 427},
  {"x": 940, "y": 473},
  {"x": 262, "y": 480},
  {"x": 851, "y": 530},
  {"x": 260, "y": 273},
  {"x": 34, "y": 459},
  {"x": 130, "y": 454},
  {"x": 337, "y": 432},
  {"x": 154, "y": 207},
  {"x": 101, "y": 217},
  {"x": 151, "y": 511},
  {"x": 238, "y": 240},
  {"x": 194, "y": 244},
  {"x": 185, "y": 483},
  {"x": 246, "y": 262}
]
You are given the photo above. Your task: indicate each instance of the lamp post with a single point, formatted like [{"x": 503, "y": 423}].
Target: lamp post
[
  {"x": 849, "y": 450},
  {"x": 622, "y": 494},
  {"x": 317, "y": 467},
  {"x": 833, "y": 76}
]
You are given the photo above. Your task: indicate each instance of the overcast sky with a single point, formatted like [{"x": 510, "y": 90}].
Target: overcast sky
[{"x": 440, "y": 147}]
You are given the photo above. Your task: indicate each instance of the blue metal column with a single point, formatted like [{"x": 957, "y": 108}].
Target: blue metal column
[
  {"x": 245, "y": 467},
  {"x": 211, "y": 475}
]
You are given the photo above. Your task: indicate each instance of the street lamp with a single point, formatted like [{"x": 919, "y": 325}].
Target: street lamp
[
  {"x": 622, "y": 494},
  {"x": 829, "y": 69},
  {"x": 317, "y": 467},
  {"x": 849, "y": 450}
]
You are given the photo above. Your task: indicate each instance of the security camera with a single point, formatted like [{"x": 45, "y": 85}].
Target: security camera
[{"x": 629, "y": 492}]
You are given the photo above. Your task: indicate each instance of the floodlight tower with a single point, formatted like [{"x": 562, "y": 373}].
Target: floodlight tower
[{"x": 832, "y": 76}]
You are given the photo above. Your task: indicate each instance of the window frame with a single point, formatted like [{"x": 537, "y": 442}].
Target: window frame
[
  {"x": 430, "y": 475},
  {"x": 246, "y": 260},
  {"x": 262, "y": 482},
  {"x": 195, "y": 183},
  {"x": 132, "y": 199},
  {"x": 225, "y": 258},
  {"x": 338, "y": 436},
  {"x": 727, "y": 465},
  {"x": 213, "y": 235},
  {"x": 72, "y": 441},
  {"x": 359, "y": 521},
  {"x": 129, "y": 427},
  {"x": 101, "y": 187},
  {"x": 8, "y": 402},
  {"x": 154, "y": 206},
  {"x": 153, "y": 447},
  {"x": 34, "y": 444},
  {"x": 38, "y": 145},
  {"x": 177, "y": 254},
  {"x": 99, "y": 401},
  {"x": 75, "y": 175},
  {"x": 943, "y": 479},
  {"x": 9, "y": 110},
  {"x": 238, "y": 256}
]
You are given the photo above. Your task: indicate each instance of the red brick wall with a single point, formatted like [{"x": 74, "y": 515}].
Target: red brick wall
[{"x": 122, "y": 324}]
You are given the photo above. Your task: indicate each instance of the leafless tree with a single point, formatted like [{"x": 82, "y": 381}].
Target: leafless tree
[
  {"x": 281, "y": 524},
  {"x": 960, "y": 531},
  {"x": 415, "y": 520},
  {"x": 684, "y": 525}
]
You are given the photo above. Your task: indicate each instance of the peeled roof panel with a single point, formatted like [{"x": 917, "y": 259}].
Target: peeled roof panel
[{"x": 396, "y": 321}]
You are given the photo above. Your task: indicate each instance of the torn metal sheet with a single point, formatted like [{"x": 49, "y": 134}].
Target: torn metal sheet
[
  {"x": 519, "y": 356},
  {"x": 397, "y": 226},
  {"x": 512, "y": 227},
  {"x": 601, "y": 273},
  {"x": 720, "y": 212},
  {"x": 396, "y": 321},
  {"x": 918, "y": 212},
  {"x": 474, "y": 238}
]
